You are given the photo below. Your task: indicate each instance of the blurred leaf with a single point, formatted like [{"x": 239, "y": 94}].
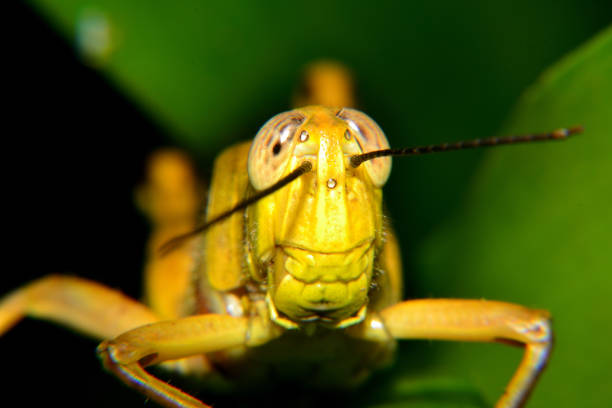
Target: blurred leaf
[
  {"x": 416, "y": 390},
  {"x": 535, "y": 229},
  {"x": 212, "y": 72}
]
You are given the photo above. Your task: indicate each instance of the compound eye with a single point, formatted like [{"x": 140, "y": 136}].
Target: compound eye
[
  {"x": 370, "y": 137},
  {"x": 271, "y": 149}
]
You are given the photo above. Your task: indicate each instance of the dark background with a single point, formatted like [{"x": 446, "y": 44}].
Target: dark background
[
  {"x": 69, "y": 208},
  {"x": 79, "y": 141}
]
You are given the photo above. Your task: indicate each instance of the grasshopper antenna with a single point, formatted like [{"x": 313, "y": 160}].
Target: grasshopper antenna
[
  {"x": 356, "y": 160},
  {"x": 559, "y": 134},
  {"x": 175, "y": 242}
]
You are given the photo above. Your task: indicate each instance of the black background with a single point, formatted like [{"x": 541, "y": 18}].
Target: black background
[{"x": 70, "y": 170}]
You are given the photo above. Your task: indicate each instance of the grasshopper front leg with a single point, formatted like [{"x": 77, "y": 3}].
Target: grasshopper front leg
[
  {"x": 128, "y": 354},
  {"x": 473, "y": 320}
]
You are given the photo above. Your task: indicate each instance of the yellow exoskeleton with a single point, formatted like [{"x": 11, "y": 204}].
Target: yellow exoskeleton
[{"x": 296, "y": 276}]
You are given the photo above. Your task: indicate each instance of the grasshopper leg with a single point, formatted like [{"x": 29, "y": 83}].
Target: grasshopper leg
[
  {"x": 170, "y": 198},
  {"x": 479, "y": 320},
  {"x": 83, "y": 305},
  {"x": 127, "y": 355},
  {"x": 137, "y": 377},
  {"x": 86, "y": 306}
]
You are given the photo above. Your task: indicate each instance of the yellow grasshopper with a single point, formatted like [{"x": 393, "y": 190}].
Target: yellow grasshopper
[{"x": 294, "y": 275}]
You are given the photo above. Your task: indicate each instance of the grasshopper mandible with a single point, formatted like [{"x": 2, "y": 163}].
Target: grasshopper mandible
[{"x": 294, "y": 265}]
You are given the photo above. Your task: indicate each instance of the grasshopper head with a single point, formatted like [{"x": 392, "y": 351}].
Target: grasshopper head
[{"x": 315, "y": 241}]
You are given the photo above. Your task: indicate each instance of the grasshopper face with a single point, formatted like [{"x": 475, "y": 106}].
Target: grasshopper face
[{"x": 317, "y": 239}]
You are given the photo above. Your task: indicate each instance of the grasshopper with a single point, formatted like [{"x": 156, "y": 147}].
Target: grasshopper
[{"x": 294, "y": 274}]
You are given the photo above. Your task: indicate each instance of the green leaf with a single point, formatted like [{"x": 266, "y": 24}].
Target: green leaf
[{"x": 535, "y": 229}]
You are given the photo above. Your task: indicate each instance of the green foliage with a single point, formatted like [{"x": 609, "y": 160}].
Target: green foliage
[{"x": 535, "y": 229}]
